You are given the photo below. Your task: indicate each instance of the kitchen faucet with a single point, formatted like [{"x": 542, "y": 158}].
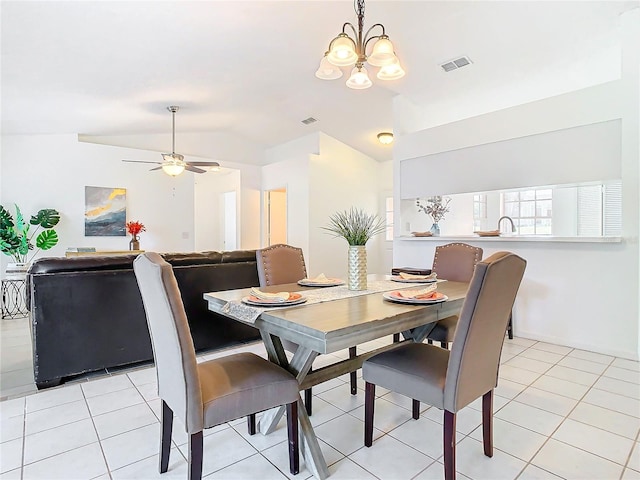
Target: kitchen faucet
[{"x": 513, "y": 227}]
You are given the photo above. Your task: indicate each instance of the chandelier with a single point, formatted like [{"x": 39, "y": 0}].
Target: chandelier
[{"x": 345, "y": 51}]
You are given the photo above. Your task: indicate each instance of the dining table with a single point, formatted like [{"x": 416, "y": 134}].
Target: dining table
[{"x": 332, "y": 319}]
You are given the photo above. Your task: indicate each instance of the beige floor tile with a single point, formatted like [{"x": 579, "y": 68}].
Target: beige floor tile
[
  {"x": 47, "y": 418},
  {"x": 67, "y": 437},
  {"x": 513, "y": 439},
  {"x": 541, "y": 355},
  {"x": 583, "y": 365},
  {"x": 591, "y": 356},
  {"x": 255, "y": 466},
  {"x": 530, "y": 417},
  {"x": 572, "y": 375},
  {"x": 561, "y": 387},
  {"x": 550, "y": 347},
  {"x": 548, "y": 401},
  {"x": 623, "y": 374},
  {"x": 79, "y": 463},
  {"x": 123, "y": 420},
  {"x": 612, "y": 401},
  {"x": 471, "y": 461},
  {"x": 606, "y": 419},
  {"x": 387, "y": 415},
  {"x": 390, "y": 458},
  {"x": 518, "y": 375},
  {"x": 528, "y": 364},
  {"x": 10, "y": 455},
  {"x": 594, "y": 440},
  {"x": 573, "y": 463}
]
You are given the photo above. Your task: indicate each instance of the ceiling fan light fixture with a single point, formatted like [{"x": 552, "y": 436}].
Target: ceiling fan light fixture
[{"x": 173, "y": 169}]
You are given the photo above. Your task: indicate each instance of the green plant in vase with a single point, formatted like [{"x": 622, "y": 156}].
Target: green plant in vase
[
  {"x": 17, "y": 236},
  {"x": 357, "y": 227}
]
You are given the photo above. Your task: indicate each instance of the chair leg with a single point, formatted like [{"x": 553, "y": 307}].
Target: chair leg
[
  {"x": 444, "y": 345},
  {"x": 415, "y": 409},
  {"x": 251, "y": 424},
  {"x": 292, "y": 431},
  {"x": 510, "y": 326},
  {"x": 369, "y": 399},
  {"x": 308, "y": 402},
  {"x": 449, "y": 445},
  {"x": 354, "y": 377},
  {"x": 165, "y": 436},
  {"x": 195, "y": 456},
  {"x": 487, "y": 423},
  {"x": 396, "y": 337}
]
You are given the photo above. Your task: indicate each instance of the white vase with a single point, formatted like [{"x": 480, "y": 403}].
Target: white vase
[{"x": 357, "y": 277}]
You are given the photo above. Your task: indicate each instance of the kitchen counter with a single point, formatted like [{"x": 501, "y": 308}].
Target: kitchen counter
[{"x": 511, "y": 238}]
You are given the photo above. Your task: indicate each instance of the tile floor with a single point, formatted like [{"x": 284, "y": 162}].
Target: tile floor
[{"x": 559, "y": 413}]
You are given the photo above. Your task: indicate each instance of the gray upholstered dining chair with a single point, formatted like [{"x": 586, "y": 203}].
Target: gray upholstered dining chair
[
  {"x": 210, "y": 393},
  {"x": 279, "y": 264},
  {"x": 451, "y": 380},
  {"x": 454, "y": 262}
]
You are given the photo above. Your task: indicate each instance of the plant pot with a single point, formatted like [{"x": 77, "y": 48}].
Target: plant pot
[
  {"x": 18, "y": 268},
  {"x": 357, "y": 277}
]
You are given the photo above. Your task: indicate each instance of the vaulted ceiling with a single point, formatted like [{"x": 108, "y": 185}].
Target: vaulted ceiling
[{"x": 243, "y": 71}]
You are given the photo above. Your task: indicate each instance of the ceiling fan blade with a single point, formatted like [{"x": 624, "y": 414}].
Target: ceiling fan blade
[
  {"x": 194, "y": 169},
  {"x": 139, "y": 161},
  {"x": 204, "y": 164},
  {"x": 156, "y": 168}
]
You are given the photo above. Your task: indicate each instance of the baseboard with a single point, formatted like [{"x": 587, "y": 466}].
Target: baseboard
[{"x": 598, "y": 348}]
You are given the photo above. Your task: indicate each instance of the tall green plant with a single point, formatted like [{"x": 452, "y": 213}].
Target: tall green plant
[
  {"x": 16, "y": 235},
  {"x": 355, "y": 226}
]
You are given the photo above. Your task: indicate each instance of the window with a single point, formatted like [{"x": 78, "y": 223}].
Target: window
[
  {"x": 479, "y": 211},
  {"x": 389, "y": 218},
  {"x": 530, "y": 210}
]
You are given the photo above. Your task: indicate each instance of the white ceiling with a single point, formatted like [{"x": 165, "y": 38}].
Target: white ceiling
[{"x": 244, "y": 70}]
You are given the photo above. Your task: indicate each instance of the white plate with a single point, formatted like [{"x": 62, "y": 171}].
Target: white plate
[
  {"x": 398, "y": 278},
  {"x": 332, "y": 282},
  {"x": 415, "y": 301},
  {"x": 250, "y": 300}
]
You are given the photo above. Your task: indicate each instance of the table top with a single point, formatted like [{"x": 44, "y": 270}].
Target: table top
[{"x": 333, "y": 325}]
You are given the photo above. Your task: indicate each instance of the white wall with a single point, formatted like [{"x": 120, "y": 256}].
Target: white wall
[
  {"x": 51, "y": 171},
  {"x": 582, "y": 295},
  {"x": 339, "y": 178},
  {"x": 209, "y": 215}
]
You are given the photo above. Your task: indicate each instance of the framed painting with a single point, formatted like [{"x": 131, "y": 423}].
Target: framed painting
[{"x": 105, "y": 211}]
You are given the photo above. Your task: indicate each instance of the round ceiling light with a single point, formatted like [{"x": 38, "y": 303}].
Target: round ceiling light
[{"x": 385, "y": 138}]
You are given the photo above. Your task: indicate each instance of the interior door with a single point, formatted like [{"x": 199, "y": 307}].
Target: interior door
[{"x": 276, "y": 216}]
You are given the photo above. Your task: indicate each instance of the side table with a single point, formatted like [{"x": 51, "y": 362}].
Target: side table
[{"x": 13, "y": 296}]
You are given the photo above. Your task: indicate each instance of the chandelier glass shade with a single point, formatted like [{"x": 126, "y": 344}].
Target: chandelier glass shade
[{"x": 345, "y": 51}]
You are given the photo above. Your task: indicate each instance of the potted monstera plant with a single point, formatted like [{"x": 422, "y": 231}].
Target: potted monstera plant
[{"x": 18, "y": 237}]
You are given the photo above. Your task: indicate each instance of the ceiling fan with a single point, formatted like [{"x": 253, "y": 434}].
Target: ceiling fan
[{"x": 173, "y": 163}]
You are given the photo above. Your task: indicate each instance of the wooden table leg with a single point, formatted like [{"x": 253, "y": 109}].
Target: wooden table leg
[{"x": 300, "y": 365}]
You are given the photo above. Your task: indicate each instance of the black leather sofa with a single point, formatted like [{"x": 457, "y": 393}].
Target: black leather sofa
[{"x": 87, "y": 315}]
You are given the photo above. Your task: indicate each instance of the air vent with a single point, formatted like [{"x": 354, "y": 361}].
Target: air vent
[
  {"x": 455, "y": 64},
  {"x": 309, "y": 121}
]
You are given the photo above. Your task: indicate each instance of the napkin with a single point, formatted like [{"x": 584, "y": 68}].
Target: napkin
[
  {"x": 322, "y": 278},
  {"x": 411, "y": 276},
  {"x": 273, "y": 297},
  {"x": 421, "y": 294}
]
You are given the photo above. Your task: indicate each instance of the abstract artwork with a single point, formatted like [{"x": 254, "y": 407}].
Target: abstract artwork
[{"x": 105, "y": 211}]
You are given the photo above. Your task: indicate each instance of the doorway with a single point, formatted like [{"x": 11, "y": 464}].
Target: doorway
[{"x": 276, "y": 212}]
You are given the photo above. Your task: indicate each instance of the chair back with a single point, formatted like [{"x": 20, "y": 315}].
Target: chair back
[
  {"x": 455, "y": 261},
  {"x": 475, "y": 356},
  {"x": 280, "y": 264},
  {"x": 173, "y": 352}
]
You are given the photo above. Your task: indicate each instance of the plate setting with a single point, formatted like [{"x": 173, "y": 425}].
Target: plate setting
[
  {"x": 437, "y": 297},
  {"x": 294, "y": 299},
  {"x": 398, "y": 278},
  {"x": 330, "y": 282}
]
